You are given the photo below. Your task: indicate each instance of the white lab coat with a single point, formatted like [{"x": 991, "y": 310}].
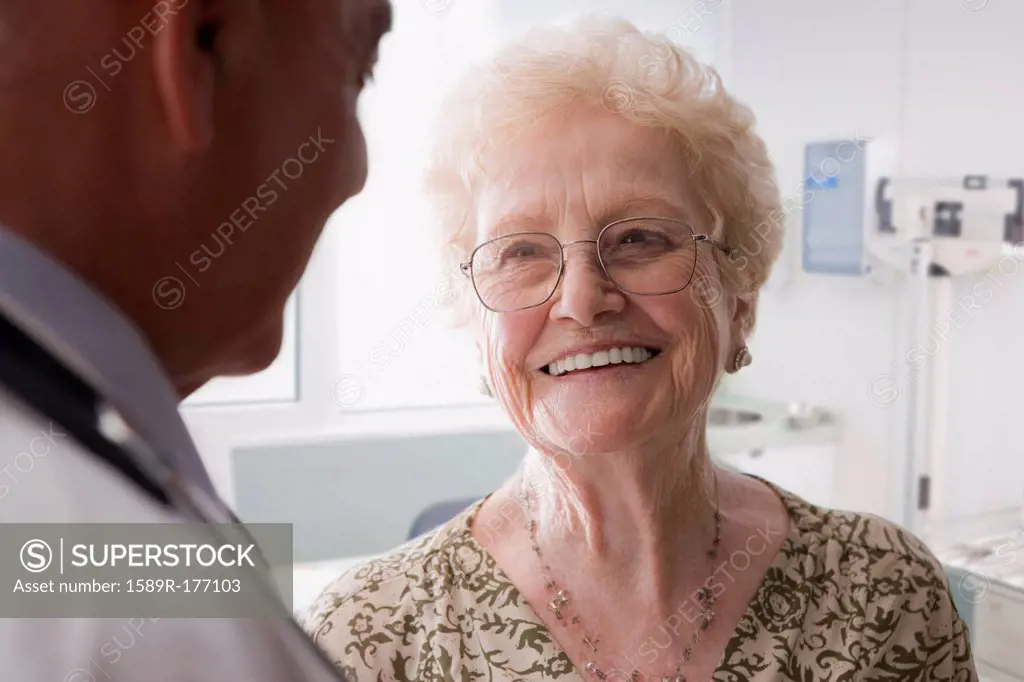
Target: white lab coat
[{"x": 55, "y": 482}]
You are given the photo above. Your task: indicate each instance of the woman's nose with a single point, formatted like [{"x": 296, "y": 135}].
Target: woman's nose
[{"x": 585, "y": 294}]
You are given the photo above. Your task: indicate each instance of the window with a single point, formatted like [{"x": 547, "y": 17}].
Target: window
[
  {"x": 380, "y": 329},
  {"x": 396, "y": 348},
  {"x": 377, "y": 328}
]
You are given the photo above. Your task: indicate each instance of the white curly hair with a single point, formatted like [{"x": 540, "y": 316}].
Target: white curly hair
[{"x": 644, "y": 77}]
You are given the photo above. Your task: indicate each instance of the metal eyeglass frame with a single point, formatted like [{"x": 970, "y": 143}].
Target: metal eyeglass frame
[{"x": 467, "y": 266}]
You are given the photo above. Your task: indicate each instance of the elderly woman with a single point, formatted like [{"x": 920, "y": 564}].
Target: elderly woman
[{"x": 615, "y": 215}]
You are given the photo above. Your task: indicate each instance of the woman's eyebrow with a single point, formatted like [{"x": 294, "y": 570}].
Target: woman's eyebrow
[
  {"x": 632, "y": 207},
  {"x": 518, "y": 222},
  {"x": 656, "y": 205}
]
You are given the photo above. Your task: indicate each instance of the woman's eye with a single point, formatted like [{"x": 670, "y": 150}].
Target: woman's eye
[
  {"x": 519, "y": 251},
  {"x": 639, "y": 237}
]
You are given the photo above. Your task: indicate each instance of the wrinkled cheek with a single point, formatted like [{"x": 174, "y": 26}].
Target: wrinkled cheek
[
  {"x": 509, "y": 384},
  {"x": 698, "y": 362}
]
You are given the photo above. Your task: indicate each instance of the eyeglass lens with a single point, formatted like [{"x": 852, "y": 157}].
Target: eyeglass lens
[{"x": 640, "y": 256}]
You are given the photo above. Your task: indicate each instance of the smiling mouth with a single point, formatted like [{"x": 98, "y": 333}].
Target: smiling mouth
[{"x": 625, "y": 355}]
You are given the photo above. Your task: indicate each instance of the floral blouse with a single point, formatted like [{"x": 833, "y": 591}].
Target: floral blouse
[{"x": 848, "y": 597}]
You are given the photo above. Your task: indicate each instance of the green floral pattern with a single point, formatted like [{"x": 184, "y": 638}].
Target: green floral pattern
[{"x": 848, "y": 597}]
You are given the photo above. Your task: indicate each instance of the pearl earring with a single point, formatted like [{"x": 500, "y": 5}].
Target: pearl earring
[{"x": 742, "y": 359}]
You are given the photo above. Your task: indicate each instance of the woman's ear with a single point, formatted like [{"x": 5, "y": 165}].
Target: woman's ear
[{"x": 740, "y": 313}]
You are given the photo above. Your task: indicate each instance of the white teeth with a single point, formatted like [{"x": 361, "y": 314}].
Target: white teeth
[{"x": 612, "y": 356}]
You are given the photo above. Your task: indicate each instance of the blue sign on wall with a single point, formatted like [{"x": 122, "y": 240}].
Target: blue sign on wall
[
  {"x": 833, "y": 211},
  {"x": 830, "y": 182}
]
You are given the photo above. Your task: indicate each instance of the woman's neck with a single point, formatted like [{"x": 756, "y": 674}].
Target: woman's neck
[{"x": 643, "y": 520}]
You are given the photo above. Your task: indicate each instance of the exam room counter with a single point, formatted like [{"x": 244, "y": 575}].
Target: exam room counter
[{"x": 987, "y": 579}]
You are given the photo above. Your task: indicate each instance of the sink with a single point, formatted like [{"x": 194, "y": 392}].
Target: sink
[
  {"x": 802, "y": 416},
  {"x": 724, "y": 416}
]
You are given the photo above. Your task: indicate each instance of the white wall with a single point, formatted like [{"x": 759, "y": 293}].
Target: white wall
[
  {"x": 694, "y": 23},
  {"x": 950, "y": 84}
]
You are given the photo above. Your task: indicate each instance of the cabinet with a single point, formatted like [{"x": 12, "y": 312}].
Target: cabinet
[
  {"x": 987, "y": 673},
  {"x": 998, "y": 634},
  {"x": 806, "y": 470}
]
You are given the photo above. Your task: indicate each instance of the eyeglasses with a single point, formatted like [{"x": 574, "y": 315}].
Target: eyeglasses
[{"x": 640, "y": 256}]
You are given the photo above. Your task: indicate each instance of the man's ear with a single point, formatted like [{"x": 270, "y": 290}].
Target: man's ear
[{"x": 185, "y": 62}]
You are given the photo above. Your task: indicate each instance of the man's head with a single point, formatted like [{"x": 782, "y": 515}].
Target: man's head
[{"x": 182, "y": 156}]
